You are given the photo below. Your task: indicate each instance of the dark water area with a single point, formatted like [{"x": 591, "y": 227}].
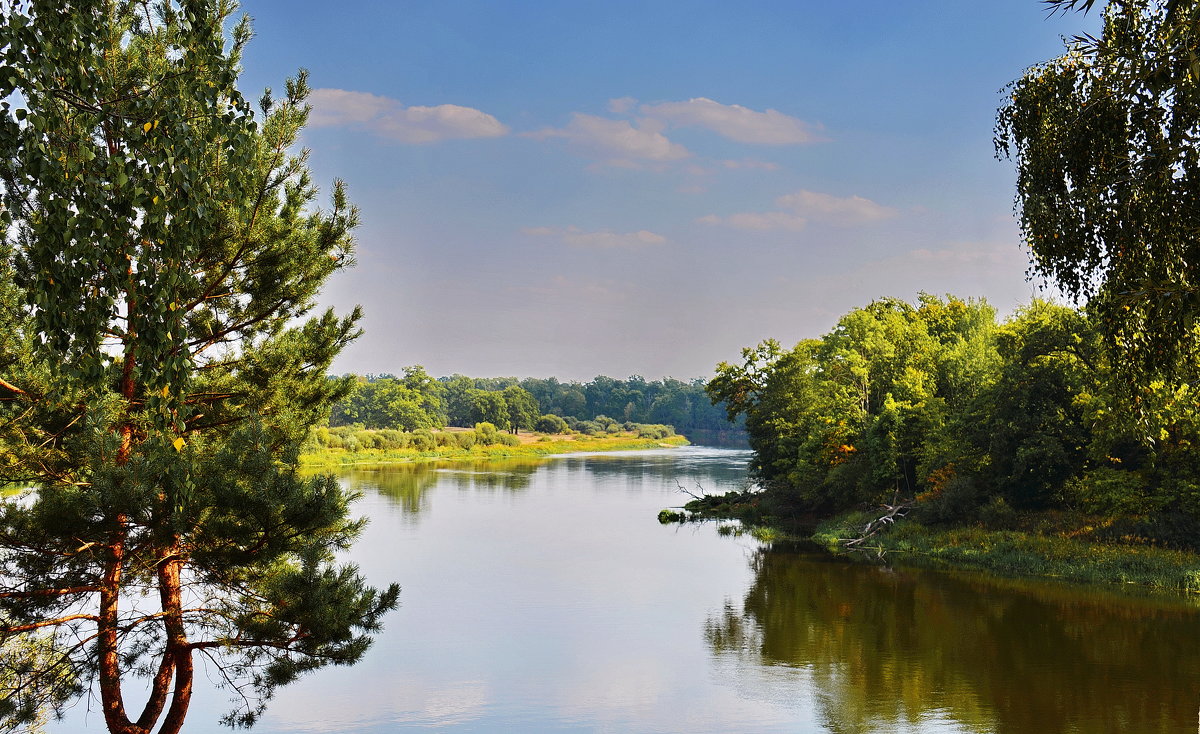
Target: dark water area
[
  {"x": 543, "y": 596},
  {"x": 731, "y": 439}
]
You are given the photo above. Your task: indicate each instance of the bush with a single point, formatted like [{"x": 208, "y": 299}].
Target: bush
[
  {"x": 590, "y": 428},
  {"x": 507, "y": 439},
  {"x": 465, "y": 439},
  {"x": 390, "y": 438},
  {"x": 550, "y": 423},
  {"x": 423, "y": 440},
  {"x": 1106, "y": 491},
  {"x": 335, "y": 441},
  {"x": 957, "y": 501},
  {"x": 366, "y": 439},
  {"x": 654, "y": 431},
  {"x": 486, "y": 434}
]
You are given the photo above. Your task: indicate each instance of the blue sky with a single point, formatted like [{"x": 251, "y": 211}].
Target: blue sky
[{"x": 582, "y": 188}]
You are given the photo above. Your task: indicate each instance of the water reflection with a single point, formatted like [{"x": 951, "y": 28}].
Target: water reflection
[
  {"x": 407, "y": 485},
  {"x": 711, "y": 470},
  {"x": 888, "y": 649}
]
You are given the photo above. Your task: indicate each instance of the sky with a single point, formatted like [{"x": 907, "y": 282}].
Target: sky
[{"x": 574, "y": 188}]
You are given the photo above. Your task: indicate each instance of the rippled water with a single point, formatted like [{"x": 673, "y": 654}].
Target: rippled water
[{"x": 543, "y": 596}]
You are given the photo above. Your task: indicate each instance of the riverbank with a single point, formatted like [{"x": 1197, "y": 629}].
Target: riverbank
[
  {"x": 326, "y": 456},
  {"x": 1035, "y": 545},
  {"x": 1016, "y": 553}
]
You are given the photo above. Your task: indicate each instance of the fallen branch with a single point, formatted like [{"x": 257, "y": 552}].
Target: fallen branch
[
  {"x": 689, "y": 493},
  {"x": 895, "y": 510}
]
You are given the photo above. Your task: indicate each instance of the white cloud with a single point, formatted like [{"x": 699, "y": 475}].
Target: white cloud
[
  {"x": 806, "y": 206},
  {"x": 577, "y": 237},
  {"x": 621, "y": 105},
  {"x": 736, "y": 122},
  {"x": 751, "y": 163},
  {"x": 388, "y": 118},
  {"x": 841, "y": 211},
  {"x": 616, "y": 141},
  {"x": 761, "y": 221}
]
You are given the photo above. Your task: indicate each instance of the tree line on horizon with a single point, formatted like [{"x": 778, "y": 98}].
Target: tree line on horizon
[{"x": 414, "y": 401}]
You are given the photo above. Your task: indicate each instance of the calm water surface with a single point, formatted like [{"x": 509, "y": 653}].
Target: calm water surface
[{"x": 543, "y": 596}]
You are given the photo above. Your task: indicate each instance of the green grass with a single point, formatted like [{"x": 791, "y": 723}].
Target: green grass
[
  {"x": 1020, "y": 553},
  {"x": 340, "y": 457}
]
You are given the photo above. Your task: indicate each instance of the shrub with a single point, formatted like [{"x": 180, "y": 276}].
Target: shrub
[
  {"x": 390, "y": 438},
  {"x": 590, "y": 428},
  {"x": 550, "y": 423},
  {"x": 486, "y": 433},
  {"x": 465, "y": 439},
  {"x": 1106, "y": 491},
  {"x": 423, "y": 440},
  {"x": 366, "y": 439},
  {"x": 507, "y": 439},
  {"x": 957, "y": 500}
]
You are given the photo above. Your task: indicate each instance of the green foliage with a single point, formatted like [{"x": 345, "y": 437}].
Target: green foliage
[
  {"x": 971, "y": 420},
  {"x": 683, "y": 405},
  {"x": 490, "y": 408},
  {"x": 29, "y": 676},
  {"x": 550, "y": 423},
  {"x": 1108, "y": 179},
  {"x": 416, "y": 401},
  {"x": 409, "y": 403},
  {"x": 349, "y": 445},
  {"x": 161, "y": 363},
  {"x": 466, "y": 439},
  {"x": 653, "y": 431},
  {"x": 486, "y": 433},
  {"x": 522, "y": 408},
  {"x": 589, "y": 428}
]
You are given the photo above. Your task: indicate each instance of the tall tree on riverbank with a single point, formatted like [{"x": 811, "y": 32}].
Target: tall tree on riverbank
[
  {"x": 167, "y": 256},
  {"x": 1108, "y": 186}
]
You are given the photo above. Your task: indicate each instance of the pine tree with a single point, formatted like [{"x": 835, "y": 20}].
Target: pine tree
[{"x": 160, "y": 364}]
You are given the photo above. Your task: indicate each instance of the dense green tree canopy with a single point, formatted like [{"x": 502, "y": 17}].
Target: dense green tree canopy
[
  {"x": 409, "y": 403},
  {"x": 161, "y": 364},
  {"x": 937, "y": 403}
]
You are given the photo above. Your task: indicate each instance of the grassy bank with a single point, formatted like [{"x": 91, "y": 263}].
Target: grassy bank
[
  {"x": 1018, "y": 553},
  {"x": 555, "y": 445},
  {"x": 1048, "y": 544}
]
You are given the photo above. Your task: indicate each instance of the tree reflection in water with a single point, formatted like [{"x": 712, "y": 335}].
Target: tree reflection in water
[
  {"x": 407, "y": 484},
  {"x": 889, "y": 648}
]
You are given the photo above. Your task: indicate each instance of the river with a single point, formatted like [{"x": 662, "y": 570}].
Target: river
[{"x": 544, "y": 596}]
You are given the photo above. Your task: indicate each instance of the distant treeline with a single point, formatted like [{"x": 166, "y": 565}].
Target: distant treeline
[
  {"x": 415, "y": 401},
  {"x": 936, "y": 403}
]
